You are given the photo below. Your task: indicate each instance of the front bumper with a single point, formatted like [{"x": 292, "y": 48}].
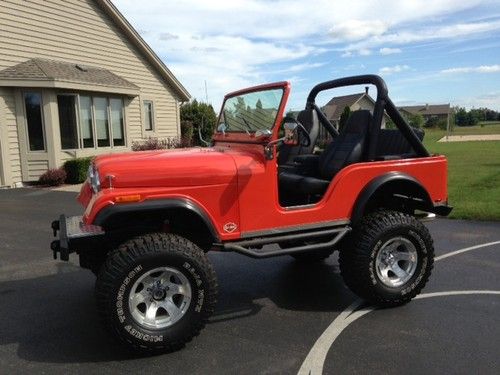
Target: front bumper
[{"x": 74, "y": 236}]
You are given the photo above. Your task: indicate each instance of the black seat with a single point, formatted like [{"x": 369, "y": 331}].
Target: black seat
[
  {"x": 309, "y": 119},
  {"x": 391, "y": 142},
  {"x": 348, "y": 148}
]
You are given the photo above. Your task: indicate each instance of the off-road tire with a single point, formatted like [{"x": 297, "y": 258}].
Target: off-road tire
[
  {"x": 312, "y": 256},
  {"x": 358, "y": 257},
  {"x": 136, "y": 257}
]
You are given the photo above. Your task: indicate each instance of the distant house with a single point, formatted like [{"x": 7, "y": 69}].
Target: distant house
[
  {"x": 438, "y": 111},
  {"x": 76, "y": 80},
  {"x": 334, "y": 108}
]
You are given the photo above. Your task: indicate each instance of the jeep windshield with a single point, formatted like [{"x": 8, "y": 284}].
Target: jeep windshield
[{"x": 252, "y": 112}]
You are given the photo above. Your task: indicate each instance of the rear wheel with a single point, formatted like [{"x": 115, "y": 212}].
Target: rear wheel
[
  {"x": 155, "y": 292},
  {"x": 388, "y": 259}
]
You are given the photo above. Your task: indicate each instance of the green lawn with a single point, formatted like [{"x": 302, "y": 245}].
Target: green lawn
[{"x": 473, "y": 172}]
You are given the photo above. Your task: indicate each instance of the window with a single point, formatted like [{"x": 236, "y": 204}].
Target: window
[
  {"x": 33, "y": 105},
  {"x": 88, "y": 122},
  {"x": 101, "y": 121},
  {"x": 116, "y": 110},
  {"x": 148, "y": 115},
  {"x": 67, "y": 121},
  {"x": 251, "y": 112},
  {"x": 86, "y": 130}
]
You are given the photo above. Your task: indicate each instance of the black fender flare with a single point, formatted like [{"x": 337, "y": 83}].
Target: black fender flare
[
  {"x": 112, "y": 211},
  {"x": 379, "y": 182}
]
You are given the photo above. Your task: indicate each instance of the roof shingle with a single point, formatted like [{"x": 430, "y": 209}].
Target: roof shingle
[
  {"x": 430, "y": 110},
  {"x": 50, "y": 70}
]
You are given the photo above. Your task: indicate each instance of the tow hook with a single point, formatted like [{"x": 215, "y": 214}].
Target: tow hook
[
  {"x": 55, "y": 227},
  {"x": 56, "y": 247}
]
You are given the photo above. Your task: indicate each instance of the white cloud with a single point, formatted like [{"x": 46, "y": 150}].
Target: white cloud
[
  {"x": 168, "y": 36},
  {"x": 352, "y": 30},
  {"x": 304, "y": 66},
  {"x": 359, "y": 52},
  {"x": 389, "y": 51},
  {"x": 233, "y": 44},
  {"x": 406, "y": 36},
  {"x": 386, "y": 70},
  {"x": 473, "y": 69}
]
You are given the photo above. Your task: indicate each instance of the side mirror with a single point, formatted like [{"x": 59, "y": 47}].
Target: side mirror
[{"x": 291, "y": 137}]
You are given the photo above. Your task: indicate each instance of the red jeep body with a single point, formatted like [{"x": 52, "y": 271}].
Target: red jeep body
[{"x": 236, "y": 187}]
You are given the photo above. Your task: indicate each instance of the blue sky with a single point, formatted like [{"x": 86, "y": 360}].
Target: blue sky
[{"x": 439, "y": 51}]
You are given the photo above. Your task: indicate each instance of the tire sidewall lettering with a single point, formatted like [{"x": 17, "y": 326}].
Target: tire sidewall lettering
[
  {"x": 121, "y": 302},
  {"x": 199, "y": 284}
]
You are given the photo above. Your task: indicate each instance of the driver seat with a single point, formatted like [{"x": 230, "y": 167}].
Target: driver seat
[{"x": 348, "y": 148}]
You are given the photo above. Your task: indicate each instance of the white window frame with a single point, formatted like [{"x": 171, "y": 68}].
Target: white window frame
[{"x": 93, "y": 119}]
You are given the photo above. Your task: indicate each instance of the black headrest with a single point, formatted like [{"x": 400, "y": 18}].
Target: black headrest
[
  {"x": 307, "y": 117},
  {"x": 358, "y": 122}
]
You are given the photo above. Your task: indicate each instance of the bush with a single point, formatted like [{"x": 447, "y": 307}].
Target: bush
[
  {"x": 203, "y": 118},
  {"x": 187, "y": 130},
  {"x": 53, "y": 177},
  {"x": 156, "y": 144},
  {"x": 76, "y": 170}
]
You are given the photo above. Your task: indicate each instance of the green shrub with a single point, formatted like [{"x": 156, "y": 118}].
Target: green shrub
[
  {"x": 53, "y": 177},
  {"x": 76, "y": 170},
  {"x": 187, "y": 130}
]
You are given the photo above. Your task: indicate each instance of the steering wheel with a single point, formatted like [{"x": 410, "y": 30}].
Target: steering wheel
[{"x": 305, "y": 141}]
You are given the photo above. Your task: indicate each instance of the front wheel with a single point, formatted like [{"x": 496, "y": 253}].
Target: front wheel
[
  {"x": 389, "y": 258},
  {"x": 156, "y": 292}
]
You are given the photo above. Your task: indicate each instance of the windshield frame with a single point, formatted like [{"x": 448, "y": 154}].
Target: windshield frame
[{"x": 244, "y": 137}]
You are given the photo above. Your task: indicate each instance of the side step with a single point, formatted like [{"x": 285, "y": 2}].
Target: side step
[{"x": 247, "y": 247}]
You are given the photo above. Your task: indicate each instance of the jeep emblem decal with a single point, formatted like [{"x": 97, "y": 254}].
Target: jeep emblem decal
[{"x": 230, "y": 227}]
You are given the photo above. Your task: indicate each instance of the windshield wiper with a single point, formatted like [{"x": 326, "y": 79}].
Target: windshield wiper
[{"x": 246, "y": 124}]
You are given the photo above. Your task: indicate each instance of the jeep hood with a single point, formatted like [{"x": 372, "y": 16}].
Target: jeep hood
[{"x": 166, "y": 168}]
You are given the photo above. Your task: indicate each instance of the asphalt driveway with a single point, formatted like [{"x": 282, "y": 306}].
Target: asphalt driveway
[{"x": 270, "y": 313}]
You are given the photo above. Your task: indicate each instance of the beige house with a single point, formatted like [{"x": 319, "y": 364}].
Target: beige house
[
  {"x": 440, "y": 112},
  {"x": 334, "y": 108},
  {"x": 76, "y": 80}
]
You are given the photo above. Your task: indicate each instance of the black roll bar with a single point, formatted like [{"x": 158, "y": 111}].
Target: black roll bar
[{"x": 383, "y": 102}]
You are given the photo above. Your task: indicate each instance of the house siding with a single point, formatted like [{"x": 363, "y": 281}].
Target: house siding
[
  {"x": 81, "y": 32},
  {"x": 11, "y": 155}
]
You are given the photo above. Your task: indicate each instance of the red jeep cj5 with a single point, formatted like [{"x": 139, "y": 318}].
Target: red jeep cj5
[{"x": 262, "y": 190}]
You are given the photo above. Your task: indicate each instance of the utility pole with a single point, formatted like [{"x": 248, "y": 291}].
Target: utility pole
[
  {"x": 206, "y": 92},
  {"x": 448, "y": 122}
]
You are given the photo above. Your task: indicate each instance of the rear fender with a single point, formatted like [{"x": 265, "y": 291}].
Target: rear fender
[{"x": 398, "y": 189}]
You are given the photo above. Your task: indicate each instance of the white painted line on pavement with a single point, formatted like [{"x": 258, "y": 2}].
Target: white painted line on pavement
[
  {"x": 315, "y": 360},
  {"x": 466, "y": 249}
]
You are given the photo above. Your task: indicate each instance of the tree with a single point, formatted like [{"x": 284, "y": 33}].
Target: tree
[
  {"x": 202, "y": 116},
  {"x": 461, "y": 118},
  {"x": 475, "y": 115},
  {"x": 344, "y": 117},
  {"x": 415, "y": 120}
]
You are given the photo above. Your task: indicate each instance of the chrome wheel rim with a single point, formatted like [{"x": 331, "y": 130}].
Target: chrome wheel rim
[
  {"x": 396, "y": 262},
  {"x": 159, "y": 298}
]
